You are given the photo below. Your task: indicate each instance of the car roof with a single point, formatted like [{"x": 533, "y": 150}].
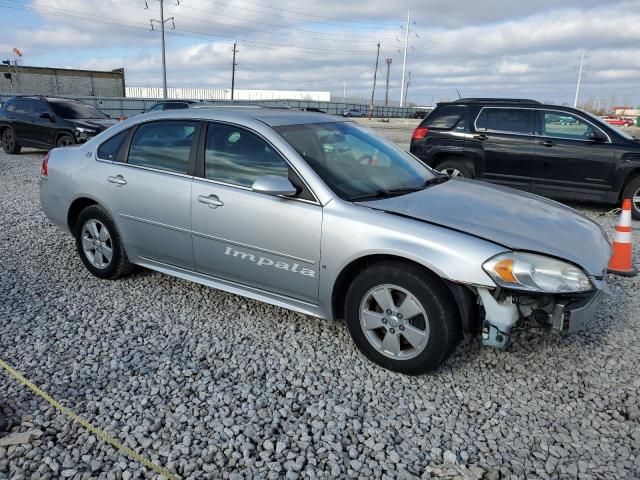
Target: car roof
[{"x": 271, "y": 117}]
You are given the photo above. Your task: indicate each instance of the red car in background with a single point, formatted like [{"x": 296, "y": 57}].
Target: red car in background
[{"x": 618, "y": 121}]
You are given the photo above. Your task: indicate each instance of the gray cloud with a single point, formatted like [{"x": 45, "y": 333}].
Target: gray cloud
[{"x": 501, "y": 47}]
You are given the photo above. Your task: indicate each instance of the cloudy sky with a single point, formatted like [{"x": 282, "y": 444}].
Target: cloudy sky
[{"x": 520, "y": 48}]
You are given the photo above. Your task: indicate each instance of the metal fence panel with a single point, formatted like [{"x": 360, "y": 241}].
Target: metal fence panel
[{"x": 117, "y": 107}]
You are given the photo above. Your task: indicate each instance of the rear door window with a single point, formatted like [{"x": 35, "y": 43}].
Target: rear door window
[
  {"x": 445, "y": 117},
  {"x": 163, "y": 145},
  {"x": 505, "y": 120}
]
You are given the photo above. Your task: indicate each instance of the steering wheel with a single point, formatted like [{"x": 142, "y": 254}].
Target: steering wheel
[
  {"x": 360, "y": 165},
  {"x": 366, "y": 159}
]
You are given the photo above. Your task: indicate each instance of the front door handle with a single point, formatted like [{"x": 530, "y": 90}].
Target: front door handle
[
  {"x": 212, "y": 200},
  {"x": 482, "y": 136},
  {"x": 118, "y": 180},
  {"x": 548, "y": 143}
]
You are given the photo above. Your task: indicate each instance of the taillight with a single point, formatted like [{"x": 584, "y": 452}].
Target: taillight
[
  {"x": 419, "y": 133},
  {"x": 45, "y": 161}
]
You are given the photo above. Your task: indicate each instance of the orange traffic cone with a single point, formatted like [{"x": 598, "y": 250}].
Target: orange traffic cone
[{"x": 621, "y": 262}]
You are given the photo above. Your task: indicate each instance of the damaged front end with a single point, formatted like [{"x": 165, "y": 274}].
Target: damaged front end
[
  {"x": 536, "y": 293},
  {"x": 505, "y": 311}
]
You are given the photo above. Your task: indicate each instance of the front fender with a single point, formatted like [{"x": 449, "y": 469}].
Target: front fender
[{"x": 351, "y": 233}]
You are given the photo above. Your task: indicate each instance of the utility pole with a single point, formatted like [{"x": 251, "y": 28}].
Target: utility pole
[
  {"x": 404, "y": 60},
  {"x": 344, "y": 92},
  {"x": 386, "y": 94},
  {"x": 233, "y": 68},
  {"x": 162, "y": 21},
  {"x": 575, "y": 101},
  {"x": 375, "y": 75},
  {"x": 406, "y": 90}
]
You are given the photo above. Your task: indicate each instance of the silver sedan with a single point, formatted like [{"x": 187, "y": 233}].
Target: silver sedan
[{"x": 320, "y": 215}]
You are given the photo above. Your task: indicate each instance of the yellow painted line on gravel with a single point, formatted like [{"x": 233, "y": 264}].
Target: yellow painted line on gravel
[{"x": 102, "y": 435}]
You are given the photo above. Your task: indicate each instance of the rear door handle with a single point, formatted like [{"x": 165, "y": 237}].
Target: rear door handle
[
  {"x": 482, "y": 136},
  {"x": 548, "y": 143},
  {"x": 212, "y": 200},
  {"x": 118, "y": 180}
]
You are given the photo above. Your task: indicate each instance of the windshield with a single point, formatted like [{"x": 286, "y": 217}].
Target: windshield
[
  {"x": 354, "y": 162},
  {"x": 75, "y": 110}
]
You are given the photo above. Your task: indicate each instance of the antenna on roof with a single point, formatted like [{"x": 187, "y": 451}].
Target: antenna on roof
[{"x": 458, "y": 91}]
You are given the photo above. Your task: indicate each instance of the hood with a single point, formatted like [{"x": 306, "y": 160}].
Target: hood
[
  {"x": 511, "y": 218},
  {"x": 98, "y": 124}
]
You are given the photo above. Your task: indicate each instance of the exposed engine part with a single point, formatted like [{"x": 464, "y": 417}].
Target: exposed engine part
[{"x": 499, "y": 319}]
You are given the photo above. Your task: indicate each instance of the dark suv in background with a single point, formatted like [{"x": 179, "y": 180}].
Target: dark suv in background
[
  {"x": 48, "y": 122},
  {"x": 558, "y": 152}
]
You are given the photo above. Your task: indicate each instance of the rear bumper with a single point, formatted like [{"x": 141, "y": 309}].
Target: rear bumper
[
  {"x": 573, "y": 316},
  {"x": 55, "y": 208}
]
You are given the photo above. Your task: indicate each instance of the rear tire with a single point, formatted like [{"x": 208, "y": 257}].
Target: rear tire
[
  {"x": 9, "y": 142},
  {"x": 99, "y": 244},
  {"x": 414, "y": 342},
  {"x": 632, "y": 191},
  {"x": 456, "y": 168},
  {"x": 65, "y": 141}
]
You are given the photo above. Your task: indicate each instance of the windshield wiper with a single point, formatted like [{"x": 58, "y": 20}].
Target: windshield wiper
[
  {"x": 438, "y": 179},
  {"x": 391, "y": 192}
]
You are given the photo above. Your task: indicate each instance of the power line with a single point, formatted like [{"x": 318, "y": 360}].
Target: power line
[{"x": 59, "y": 12}]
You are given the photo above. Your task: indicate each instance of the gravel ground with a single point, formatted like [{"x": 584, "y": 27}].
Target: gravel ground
[{"x": 212, "y": 385}]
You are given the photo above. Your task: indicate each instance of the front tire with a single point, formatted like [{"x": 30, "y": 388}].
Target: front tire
[
  {"x": 9, "y": 142},
  {"x": 632, "y": 191},
  {"x": 401, "y": 318},
  {"x": 99, "y": 244}
]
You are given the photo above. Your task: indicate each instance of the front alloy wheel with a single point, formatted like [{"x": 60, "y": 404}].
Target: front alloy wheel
[
  {"x": 402, "y": 317},
  {"x": 394, "y": 322}
]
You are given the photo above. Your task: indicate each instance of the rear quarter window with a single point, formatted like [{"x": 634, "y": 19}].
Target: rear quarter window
[
  {"x": 445, "y": 117},
  {"x": 109, "y": 150}
]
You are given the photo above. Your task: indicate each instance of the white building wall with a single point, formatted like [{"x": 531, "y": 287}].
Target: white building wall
[{"x": 225, "y": 94}]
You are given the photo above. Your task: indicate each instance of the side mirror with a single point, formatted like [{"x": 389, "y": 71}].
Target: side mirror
[
  {"x": 596, "y": 136},
  {"x": 46, "y": 116},
  {"x": 274, "y": 185}
]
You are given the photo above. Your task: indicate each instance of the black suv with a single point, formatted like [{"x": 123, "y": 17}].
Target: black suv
[
  {"x": 47, "y": 122},
  {"x": 554, "y": 151}
]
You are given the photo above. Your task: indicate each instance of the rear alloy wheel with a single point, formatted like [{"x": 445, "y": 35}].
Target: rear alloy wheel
[
  {"x": 401, "y": 318},
  {"x": 99, "y": 244},
  {"x": 9, "y": 144},
  {"x": 455, "y": 168},
  {"x": 65, "y": 141},
  {"x": 632, "y": 191}
]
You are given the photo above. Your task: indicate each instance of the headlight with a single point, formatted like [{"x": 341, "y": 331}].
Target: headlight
[{"x": 536, "y": 273}]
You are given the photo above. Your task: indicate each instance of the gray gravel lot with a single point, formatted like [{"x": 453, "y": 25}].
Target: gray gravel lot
[{"x": 212, "y": 385}]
